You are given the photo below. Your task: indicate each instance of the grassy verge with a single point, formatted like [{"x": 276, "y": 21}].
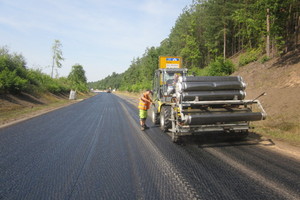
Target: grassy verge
[
  {"x": 287, "y": 132},
  {"x": 15, "y": 111}
]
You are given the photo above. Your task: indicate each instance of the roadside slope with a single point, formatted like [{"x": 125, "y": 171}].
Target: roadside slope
[
  {"x": 280, "y": 79},
  {"x": 15, "y": 108}
]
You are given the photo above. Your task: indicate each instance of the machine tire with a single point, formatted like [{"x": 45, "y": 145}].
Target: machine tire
[
  {"x": 154, "y": 116},
  {"x": 165, "y": 116}
]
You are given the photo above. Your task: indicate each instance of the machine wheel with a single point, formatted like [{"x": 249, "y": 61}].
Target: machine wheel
[
  {"x": 165, "y": 116},
  {"x": 154, "y": 116}
]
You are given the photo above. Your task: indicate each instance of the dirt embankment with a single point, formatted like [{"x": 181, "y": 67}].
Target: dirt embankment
[{"x": 280, "y": 79}]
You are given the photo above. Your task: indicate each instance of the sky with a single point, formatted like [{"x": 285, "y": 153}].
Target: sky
[{"x": 103, "y": 36}]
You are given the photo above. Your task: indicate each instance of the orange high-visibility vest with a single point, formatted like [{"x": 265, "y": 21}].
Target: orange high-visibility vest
[{"x": 144, "y": 105}]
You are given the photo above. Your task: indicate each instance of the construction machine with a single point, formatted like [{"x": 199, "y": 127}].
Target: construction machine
[{"x": 188, "y": 105}]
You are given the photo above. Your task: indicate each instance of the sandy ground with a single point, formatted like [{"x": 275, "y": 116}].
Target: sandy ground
[{"x": 281, "y": 82}]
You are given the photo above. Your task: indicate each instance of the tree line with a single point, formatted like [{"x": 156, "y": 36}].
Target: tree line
[
  {"x": 209, "y": 32},
  {"x": 15, "y": 77}
]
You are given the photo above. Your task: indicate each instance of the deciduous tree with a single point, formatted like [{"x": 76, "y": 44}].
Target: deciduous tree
[{"x": 77, "y": 78}]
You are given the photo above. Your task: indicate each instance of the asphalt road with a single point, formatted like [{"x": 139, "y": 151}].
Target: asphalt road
[{"x": 95, "y": 150}]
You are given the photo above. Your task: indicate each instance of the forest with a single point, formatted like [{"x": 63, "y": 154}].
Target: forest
[{"x": 208, "y": 33}]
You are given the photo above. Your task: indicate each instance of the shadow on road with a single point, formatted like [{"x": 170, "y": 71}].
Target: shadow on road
[{"x": 208, "y": 140}]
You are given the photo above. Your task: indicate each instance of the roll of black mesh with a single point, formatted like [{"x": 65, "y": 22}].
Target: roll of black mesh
[
  {"x": 210, "y": 78},
  {"x": 210, "y": 86},
  {"x": 222, "y": 118},
  {"x": 214, "y": 95}
]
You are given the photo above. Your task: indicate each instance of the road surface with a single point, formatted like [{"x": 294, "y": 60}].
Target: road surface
[{"x": 95, "y": 150}]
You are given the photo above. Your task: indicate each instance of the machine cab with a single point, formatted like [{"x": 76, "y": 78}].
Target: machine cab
[{"x": 165, "y": 81}]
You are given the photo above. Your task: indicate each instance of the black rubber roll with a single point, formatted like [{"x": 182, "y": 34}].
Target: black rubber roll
[
  {"x": 222, "y": 118},
  {"x": 210, "y": 86},
  {"x": 211, "y": 78},
  {"x": 214, "y": 95}
]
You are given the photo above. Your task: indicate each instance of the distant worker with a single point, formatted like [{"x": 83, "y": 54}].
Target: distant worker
[
  {"x": 176, "y": 77},
  {"x": 144, "y": 105}
]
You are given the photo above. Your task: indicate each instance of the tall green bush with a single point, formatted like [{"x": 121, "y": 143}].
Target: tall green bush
[
  {"x": 220, "y": 67},
  {"x": 11, "y": 82},
  {"x": 13, "y": 76}
]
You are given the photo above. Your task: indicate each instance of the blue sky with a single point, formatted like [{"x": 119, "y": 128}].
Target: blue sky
[{"x": 103, "y": 36}]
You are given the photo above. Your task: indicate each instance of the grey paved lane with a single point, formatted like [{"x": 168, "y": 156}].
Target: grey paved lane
[{"x": 95, "y": 150}]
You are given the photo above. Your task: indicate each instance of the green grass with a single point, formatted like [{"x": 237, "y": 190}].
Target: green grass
[
  {"x": 249, "y": 56},
  {"x": 287, "y": 132}
]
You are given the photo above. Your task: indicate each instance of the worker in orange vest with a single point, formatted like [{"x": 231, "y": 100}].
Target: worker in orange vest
[{"x": 144, "y": 105}]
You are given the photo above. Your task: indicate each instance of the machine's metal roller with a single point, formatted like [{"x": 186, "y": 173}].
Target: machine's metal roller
[
  {"x": 202, "y": 103},
  {"x": 210, "y": 78},
  {"x": 213, "y": 95},
  {"x": 210, "y": 86},
  {"x": 202, "y": 119}
]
